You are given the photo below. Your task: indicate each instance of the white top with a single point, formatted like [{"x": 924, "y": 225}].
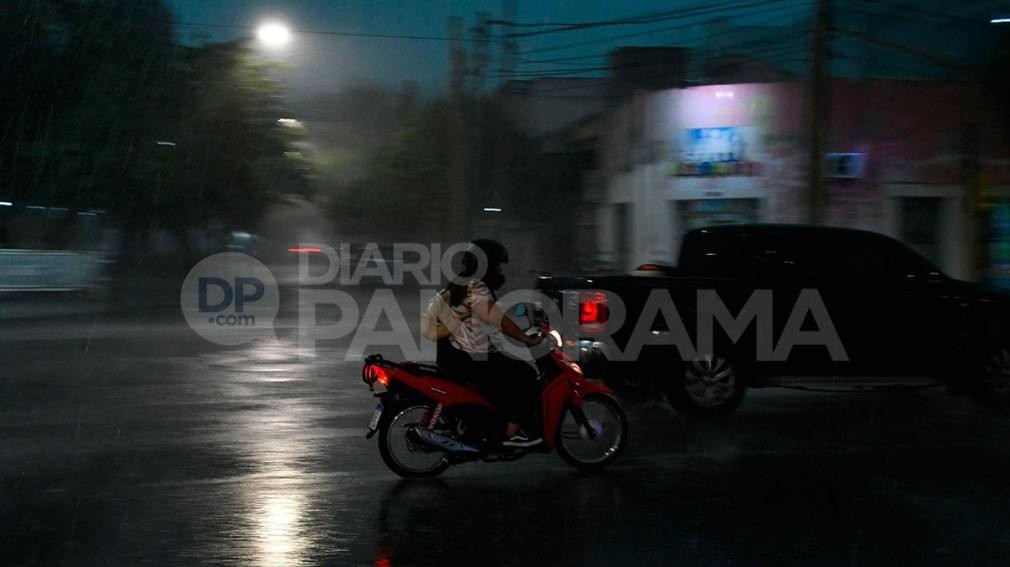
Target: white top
[{"x": 472, "y": 334}]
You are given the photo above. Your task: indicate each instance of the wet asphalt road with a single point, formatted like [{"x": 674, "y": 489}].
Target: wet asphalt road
[{"x": 129, "y": 441}]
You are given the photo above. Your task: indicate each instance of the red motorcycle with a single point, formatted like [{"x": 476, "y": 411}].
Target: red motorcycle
[{"x": 428, "y": 422}]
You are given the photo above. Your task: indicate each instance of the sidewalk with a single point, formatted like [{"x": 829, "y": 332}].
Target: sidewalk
[
  {"x": 129, "y": 294},
  {"x": 48, "y": 305}
]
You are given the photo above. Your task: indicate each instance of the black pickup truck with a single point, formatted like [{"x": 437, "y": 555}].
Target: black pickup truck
[{"x": 757, "y": 305}]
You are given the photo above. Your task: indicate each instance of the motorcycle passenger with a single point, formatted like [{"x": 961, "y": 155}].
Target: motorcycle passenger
[{"x": 509, "y": 383}]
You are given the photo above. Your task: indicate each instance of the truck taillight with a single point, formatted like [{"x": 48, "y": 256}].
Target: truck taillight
[{"x": 593, "y": 311}]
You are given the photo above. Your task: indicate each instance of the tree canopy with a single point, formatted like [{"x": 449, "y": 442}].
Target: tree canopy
[{"x": 102, "y": 110}]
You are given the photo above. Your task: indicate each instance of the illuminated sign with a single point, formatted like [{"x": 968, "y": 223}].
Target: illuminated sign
[
  {"x": 845, "y": 165},
  {"x": 717, "y": 151}
]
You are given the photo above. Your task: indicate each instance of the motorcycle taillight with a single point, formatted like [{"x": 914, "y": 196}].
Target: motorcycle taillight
[{"x": 375, "y": 373}]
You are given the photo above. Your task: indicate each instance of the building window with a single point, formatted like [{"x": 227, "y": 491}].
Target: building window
[
  {"x": 711, "y": 212},
  {"x": 920, "y": 226}
]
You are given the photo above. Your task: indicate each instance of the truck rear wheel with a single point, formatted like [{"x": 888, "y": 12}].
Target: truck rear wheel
[{"x": 707, "y": 387}]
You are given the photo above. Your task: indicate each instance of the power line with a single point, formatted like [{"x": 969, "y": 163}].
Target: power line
[
  {"x": 595, "y": 61},
  {"x": 945, "y": 17},
  {"x": 868, "y": 12},
  {"x": 339, "y": 33},
  {"x": 938, "y": 15},
  {"x": 649, "y": 18},
  {"x": 576, "y": 83},
  {"x": 658, "y": 14},
  {"x": 884, "y": 67},
  {"x": 566, "y": 97},
  {"x": 761, "y": 3},
  {"x": 548, "y": 93},
  {"x": 900, "y": 47},
  {"x": 713, "y": 54},
  {"x": 761, "y": 46},
  {"x": 693, "y": 52},
  {"x": 562, "y": 59},
  {"x": 750, "y": 47},
  {"x": 699, "y": 55},
  {"x": 509, "y": 23},
  {"x": 694, "y": 56},
  {"x": 553, "y": 72}
]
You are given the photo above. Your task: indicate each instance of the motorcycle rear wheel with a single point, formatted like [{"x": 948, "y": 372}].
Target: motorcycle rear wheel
[
  {"x": 582, "y": 450},
  {"x": 403, "y": 455}
]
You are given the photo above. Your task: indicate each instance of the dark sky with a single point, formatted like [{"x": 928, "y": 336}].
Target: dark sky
[{"x": 322, "y": 62}]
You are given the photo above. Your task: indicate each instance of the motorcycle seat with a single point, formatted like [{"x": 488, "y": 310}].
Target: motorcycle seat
[
  {"x": 442, "y": 372},
  {"x": 423, "y": 369}
]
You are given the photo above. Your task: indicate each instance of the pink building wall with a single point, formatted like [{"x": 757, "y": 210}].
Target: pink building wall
[{"x": 913, "y": 134}]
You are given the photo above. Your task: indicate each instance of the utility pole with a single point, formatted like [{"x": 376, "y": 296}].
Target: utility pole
[
  {"x": 457, "y": 57},
  {"x": 481, "y": 53},
  {"x": 509, "y": 48},
  {"x": 457, "y": 198},
  {"x": 819, "y": 111}
]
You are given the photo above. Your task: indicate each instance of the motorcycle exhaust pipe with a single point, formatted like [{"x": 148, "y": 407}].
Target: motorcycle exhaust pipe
[{"x": 443, "y": 442}]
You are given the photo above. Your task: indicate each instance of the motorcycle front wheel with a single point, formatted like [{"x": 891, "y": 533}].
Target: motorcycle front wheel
[
  {"x": 596, "y": 441},
  {"x": 402, "y": 451}
]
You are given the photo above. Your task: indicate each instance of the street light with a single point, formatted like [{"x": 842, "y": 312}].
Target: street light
[
  {"x": 273, "y": 34},
  {"x": 1000, "y": 21}
]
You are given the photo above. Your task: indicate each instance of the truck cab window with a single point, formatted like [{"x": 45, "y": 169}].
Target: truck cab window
[
  {"x": 882, "y": 260},
  {"x": 783, "y": 258},
  {"x": 712, "y": 254}
]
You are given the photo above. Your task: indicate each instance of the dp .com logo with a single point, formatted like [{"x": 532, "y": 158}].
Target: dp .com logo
[{"x": 230, "y": 299}]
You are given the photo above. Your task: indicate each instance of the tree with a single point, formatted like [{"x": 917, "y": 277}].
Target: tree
[
  {"x": 78, "y": 94},
  {"x": 232, "y": 155},
  {"x": 406, "y": 191},
  {"x": 101, "y": 110}
]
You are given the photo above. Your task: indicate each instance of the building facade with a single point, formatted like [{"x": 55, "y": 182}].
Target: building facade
[{"x": 922, "y": 161}]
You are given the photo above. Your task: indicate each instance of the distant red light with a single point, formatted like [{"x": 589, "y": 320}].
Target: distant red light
[
  {"x": 301, "y": 250},
  {"x": 383, "y": 560},
  {"x": 593, "y": 310}
]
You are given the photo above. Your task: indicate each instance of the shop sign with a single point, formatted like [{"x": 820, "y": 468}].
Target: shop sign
[{"x": 717, "y": 151}]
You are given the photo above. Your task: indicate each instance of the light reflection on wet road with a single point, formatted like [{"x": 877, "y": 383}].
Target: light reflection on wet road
[{"x": 156, "y": 448}]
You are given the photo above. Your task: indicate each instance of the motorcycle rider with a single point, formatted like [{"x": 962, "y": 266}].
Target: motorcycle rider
[{"x": 471, "y": 352}]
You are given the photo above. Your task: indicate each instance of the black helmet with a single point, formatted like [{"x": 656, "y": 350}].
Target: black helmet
[
  {"x": 494, "y": 251},
  {"x": 495, "y": 254}
]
